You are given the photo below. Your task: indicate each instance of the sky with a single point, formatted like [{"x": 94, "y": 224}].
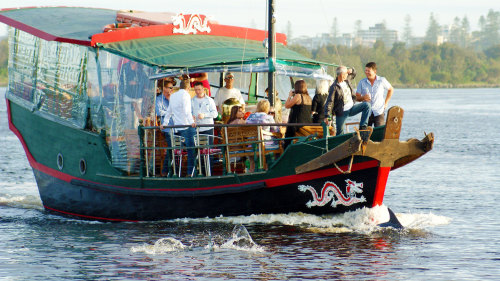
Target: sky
[{"x": 307, "y": 17}]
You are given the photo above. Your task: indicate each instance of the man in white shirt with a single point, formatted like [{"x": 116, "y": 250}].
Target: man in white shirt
[
  {"x": 180, "y": 111},
  {"x": 227, "y": 92},
  {"x": 371, "y": 89},
  {"x": 204, "y": 109}
]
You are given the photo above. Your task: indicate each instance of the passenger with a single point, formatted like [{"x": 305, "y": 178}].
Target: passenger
[
  {"x": 341, "y": 98},
  {"x": 227, "y": 92},
  {"x": 180, "y": 110},
  {"x": 319, "y": 100},
  {"x": 299, "y": 103},
  {"x": 199, "y": 77},
  {"x": 262, "y": 116},
  {"x": 133, "y": 82},
  {"x": 162, "y": 103},
  {"x": 371, "y": 89},
  {"x": 204, "y": 109},
  {"x": 237, "y": 114}
]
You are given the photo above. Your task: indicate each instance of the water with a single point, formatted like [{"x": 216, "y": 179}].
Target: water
[{"x": 446, "y": 200}]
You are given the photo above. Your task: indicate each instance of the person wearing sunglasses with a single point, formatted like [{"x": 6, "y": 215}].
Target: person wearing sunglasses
[
  {"x": 227, "y": 92},
  {"x": 162, "y": 103}
]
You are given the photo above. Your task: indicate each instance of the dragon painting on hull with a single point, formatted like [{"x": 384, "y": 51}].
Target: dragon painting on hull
[{"x": 331, "y": 192}]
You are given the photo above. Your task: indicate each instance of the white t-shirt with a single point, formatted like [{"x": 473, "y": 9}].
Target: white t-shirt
[
  {"x": 224, "y": 93},
  {"x": 348, "y": 103},
  {"x": 179, "y": 109}
]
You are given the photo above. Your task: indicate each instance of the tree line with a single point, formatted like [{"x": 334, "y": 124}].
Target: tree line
[
  {"x": 4, "y": 56},
  {"x": 424, "y": 65}
]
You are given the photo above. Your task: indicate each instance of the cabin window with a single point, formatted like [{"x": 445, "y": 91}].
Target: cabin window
[
  {"x": 120, "y": 94},
  {"x": 49, "y": 77}
]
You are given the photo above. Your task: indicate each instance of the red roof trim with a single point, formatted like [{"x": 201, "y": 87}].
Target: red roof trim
[
  {"x": 166, "y": 30},
  {"x": 39, "y": 33}
]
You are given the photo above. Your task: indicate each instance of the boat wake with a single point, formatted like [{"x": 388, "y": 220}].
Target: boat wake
[
  {"x": 239, "y": 240},
  {"x": 21, "y": 201},
  {"x": 362, "y": 221}
]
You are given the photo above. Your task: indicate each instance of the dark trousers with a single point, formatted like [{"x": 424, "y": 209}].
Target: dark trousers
[
  {"x": 167, "y": 163},
  {"x": 376, "y": 120}
]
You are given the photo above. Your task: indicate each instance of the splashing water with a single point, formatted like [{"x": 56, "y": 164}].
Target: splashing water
[
  {"x": 242, "y": 241},
  {"x": 162, "y": 246}
]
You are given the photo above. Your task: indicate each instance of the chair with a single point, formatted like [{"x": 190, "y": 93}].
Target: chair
[
  {"x": 306, "y": 131},
  {"x": 204, "y": 152},
  {"x": 177, "y": 151},
  {"x": 237, "y": 143}
]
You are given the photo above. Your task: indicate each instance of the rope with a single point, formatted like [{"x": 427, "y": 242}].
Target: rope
[
  {"x": 326, "y": 20},
  {"x": 243, "y": 55},
  {"x": 348, "y": 171}
]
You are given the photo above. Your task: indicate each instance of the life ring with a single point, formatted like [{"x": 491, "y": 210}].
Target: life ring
[{"x": 116, "y": 26}]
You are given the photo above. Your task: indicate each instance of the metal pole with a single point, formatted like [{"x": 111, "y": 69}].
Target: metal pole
[{"x": 271, "y": 52}]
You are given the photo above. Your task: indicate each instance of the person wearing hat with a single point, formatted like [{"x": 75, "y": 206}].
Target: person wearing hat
[{"x": 227, "y": 92}]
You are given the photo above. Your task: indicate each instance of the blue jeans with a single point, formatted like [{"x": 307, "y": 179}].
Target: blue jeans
[
  {"x": 188, "y": 135},
  {"x": 364, "y": 108}
]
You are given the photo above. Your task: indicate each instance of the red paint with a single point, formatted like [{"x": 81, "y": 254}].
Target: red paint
[
  {"x": 167, "y": 30},
  {"x": 88, "y": 217},
  {"x": 383, "y": 174},
  {"x": 318, "y": 174}
]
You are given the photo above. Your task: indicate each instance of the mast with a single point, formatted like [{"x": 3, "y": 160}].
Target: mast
[{"x": 271, "y": 52}]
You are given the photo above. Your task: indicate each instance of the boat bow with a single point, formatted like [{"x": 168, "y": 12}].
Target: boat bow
[{"x": 391, "y": 152}]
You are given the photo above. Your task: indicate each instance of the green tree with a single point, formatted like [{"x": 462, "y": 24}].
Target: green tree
[
  {"x": 334, "y": 30},
  {"x": 407, "y": 32},
  {"x": 4, "y": 56},
  {"x": 493, "y": 52},
  {"x": 456, "y": 31},
  {"x": 357, "y": 27},
  {"x": 464, "y": 35},
  {"x": 289, "y": 30},
  {"x": 433, "y": 30}
]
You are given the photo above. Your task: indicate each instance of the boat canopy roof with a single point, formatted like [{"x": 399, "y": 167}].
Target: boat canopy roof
[
  {"x": 63, "y": 24},
  {"x": 206, "y": 47}
]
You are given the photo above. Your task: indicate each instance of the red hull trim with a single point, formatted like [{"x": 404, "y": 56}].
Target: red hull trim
[
  {"x": 88, "y": 217},
  {"x": 383, "y": 175}
]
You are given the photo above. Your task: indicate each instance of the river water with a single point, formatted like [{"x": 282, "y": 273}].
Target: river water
[{"x": 446, "y": 200}]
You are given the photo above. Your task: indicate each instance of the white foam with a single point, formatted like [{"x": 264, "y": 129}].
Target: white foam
[
  {"x": 22, "y": 201},
  {"x": 162, "y": 246},
  {"x": 241, "y": 241},
  {"x": 421, "y": 221},
  {"x": 363, "y": 220}
]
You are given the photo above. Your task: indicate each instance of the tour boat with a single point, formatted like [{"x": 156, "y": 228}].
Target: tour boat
[{"x": 91, "y": 137}]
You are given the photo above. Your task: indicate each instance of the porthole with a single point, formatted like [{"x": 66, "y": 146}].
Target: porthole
[
  {"x": 83, "y": 166},
  {"x": 60, "y": 161}
]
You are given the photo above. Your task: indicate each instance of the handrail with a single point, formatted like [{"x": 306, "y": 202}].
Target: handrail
[{"x": 143, "y": 147}]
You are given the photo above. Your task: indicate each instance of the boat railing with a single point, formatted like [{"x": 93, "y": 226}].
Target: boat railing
[{"x": 220, "y": 151}]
